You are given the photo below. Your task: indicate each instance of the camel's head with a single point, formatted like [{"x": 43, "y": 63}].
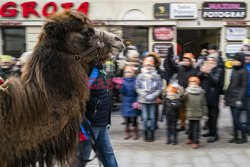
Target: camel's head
[{"x": 73, "y": 33}]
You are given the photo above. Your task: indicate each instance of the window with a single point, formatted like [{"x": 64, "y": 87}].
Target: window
[
  {"x": 13, "y": 41},
  {"x": 137, "y": 36}
]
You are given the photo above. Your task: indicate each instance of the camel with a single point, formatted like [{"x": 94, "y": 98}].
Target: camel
[{"x": 41, "y": 111}]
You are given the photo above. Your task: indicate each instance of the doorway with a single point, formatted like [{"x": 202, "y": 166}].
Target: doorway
[{"x": 193, "y": 40}]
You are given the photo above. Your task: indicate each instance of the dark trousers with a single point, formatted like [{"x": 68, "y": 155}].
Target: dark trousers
[
  {"x": 131, "y": 120},
  {"x": 171, "y": 129},
  {"x": 194, "y": 131},
  {"x": 238, "y": 126},
  {"x": 172, "y": 119},
  {"x": 213, "y": 114}
]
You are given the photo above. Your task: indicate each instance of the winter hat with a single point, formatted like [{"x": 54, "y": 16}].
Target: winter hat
[
  {"x": 156, "y": 58},
  {"x": 149, "y": 60},
  {"x": 240, "y": 57},
  {"x": 189, "y": 56},
  {"x": 194, "y": 79},
  {"x": 173, "y": 88}
]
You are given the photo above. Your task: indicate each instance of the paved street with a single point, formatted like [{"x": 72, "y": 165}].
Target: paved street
[{"x": 131, "y": 153}]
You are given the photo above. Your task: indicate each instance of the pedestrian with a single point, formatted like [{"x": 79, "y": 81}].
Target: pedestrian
[
  {"x": 247, "y": 102},
  {"x": 173, "y": 94},
  {"x": 185, "y": 70},
  {"x": 235, "y": 96},
  {"x": 211, "y": 76},
  {"x": 99, "y": 116},
  {"x": 148, "y": 87},
  {"x": 157, "y": 63},
  {"x": 196, "y": 109},
  {"x": 129, "y": 103}
]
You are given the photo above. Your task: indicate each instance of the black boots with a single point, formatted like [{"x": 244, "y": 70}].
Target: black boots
[
  {"x": 237, "y": 140},
  {"x": 149, "y": 137}
]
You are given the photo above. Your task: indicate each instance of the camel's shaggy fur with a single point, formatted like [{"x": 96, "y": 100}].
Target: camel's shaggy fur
[{"x": 41, "y": 112}]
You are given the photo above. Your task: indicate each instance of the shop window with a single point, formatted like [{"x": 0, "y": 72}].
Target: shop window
[
  {"x": 13, "y": 41},
  {"x": 137, "y": 36}
]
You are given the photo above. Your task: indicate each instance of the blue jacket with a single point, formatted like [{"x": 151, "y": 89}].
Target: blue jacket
[
  {"x": 129, "y": 97},
  {"x": 248, "y": 79}
]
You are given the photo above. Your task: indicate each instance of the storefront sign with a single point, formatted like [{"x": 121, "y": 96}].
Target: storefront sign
[
  {"x": 183, "y": 11},
  {"x": 11, "y": 9},
  {"x": 224, "y": 10},
  {"x": 161, "y": 10},
  {"x": 236, "y": 34},
  {"x": 231, "y": 49},
  {"x": 163, "y": 33},
  {"x": 162, "y": 49}
]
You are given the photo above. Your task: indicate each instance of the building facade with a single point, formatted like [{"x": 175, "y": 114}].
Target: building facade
[{"x": 186, "y": 25}]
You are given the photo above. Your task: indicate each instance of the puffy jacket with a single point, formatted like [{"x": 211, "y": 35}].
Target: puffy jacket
[
  {"x": 212, "y": 84},
  {"x": 129, "y": 97},
  {"x": 146, "y": 86},
  {"x": 237, "y": 88},
  {"x": 195, "y": 104}
]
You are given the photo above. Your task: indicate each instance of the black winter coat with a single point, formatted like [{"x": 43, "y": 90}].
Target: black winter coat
[
  {"x": 237, "y": 88},
  {"x": 172, "y": 106},
  {"x": 99, "y": 104},
  {"x": 212, "y": 84},
  {"x": 184, "y": 73}
]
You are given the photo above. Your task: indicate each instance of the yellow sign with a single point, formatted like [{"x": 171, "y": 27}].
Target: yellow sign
[{"x": 228, "y": 64}]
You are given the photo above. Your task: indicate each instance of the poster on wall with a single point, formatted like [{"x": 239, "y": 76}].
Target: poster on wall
[
  {"x": 163, "y": 33},
  {"x": 161, "y": 10},
  {"x": 223, "y": 10},
  {"x": 162, "y": 49},
  {"x": 183, "y": 11},
  {"x": 236, "y": 34},
  {"x": 231, "y": 49}
]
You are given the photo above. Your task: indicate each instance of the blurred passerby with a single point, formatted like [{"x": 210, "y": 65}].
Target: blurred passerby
[
  {"x": 211, "y": 76},
  {"x": 7, "y": 68},
  {"x": 196, "y": 108},
  {"x": 148, "y": 87},
  {"x": 235, "y": 96},
  {"x": 173, "y": 93},
  {"x": 185, "y": 70},
  {"x": 129, "y": 103},
  {"x": 247, "y": 103}
]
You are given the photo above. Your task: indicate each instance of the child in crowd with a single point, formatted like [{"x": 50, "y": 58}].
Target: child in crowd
[
  {"x": 173, "y": 93},
  {"x": 129, "y": 102},
  {"x": 196, "y": 108},
  {"x": 148, "y": 87}
]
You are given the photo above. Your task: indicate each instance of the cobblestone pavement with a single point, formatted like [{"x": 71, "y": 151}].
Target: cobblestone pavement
[{"x": 132, "y": 153}]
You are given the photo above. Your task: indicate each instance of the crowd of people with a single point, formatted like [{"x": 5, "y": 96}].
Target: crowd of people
[{"x": 189, "y": 88}]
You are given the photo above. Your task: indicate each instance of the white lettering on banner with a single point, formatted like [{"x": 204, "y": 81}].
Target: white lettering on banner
[{"x": 224, "y": 14}]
